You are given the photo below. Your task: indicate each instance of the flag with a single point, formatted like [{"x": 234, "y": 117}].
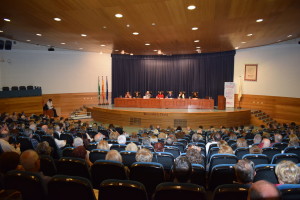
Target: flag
[
  {"x": 103, "y": 95},
  {"x": 98, "y": 88},
  {"x": 240, "y": 90},
  {"x": 106, "y": 89}
]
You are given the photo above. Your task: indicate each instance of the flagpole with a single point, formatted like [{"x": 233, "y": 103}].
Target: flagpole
[
  {"x": 107, "y": 103},
  {"x": 98, "y": 91},
  {"x": 240, "y": 93}
]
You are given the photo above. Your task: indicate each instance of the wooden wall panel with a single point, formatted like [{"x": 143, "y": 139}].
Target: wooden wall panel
[
  {"x": 29, "y": 105},
  {"x": 66, "y": 103},
  {"x": 165, "y": 119},
  {"x": 282, "y": 109}
]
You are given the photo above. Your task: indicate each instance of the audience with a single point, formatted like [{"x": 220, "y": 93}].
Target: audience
[
  {"x": 29, "y": 133},
  {"x": 43, "y": 148},
  {"x": 263, "y": 190},
  {"x": 81, "y": 152},
  {"x": 244, "y": 171},
  {"x": 6, "y": 147},
  {"x": 144, "y": 155},
  {"x": 159, "y": 147},
  {"x": 182, "y": 170},
  {"x": 241, "y": 142},
  {"x": 225, "y": 149},
  {"x": 257, "y": 139},
  {"x": 287, "y": 172},
  {"x": 9, "y": 161},
  {"x": 131, "y": 147},
  {"x": 113, "y": 155},
  {"x": 255, "y": 150},
  {"x": 121, "y": 139},
  {"x": 264, "y": 143},
  {"x": 103, "y": 144},
  {"x": 194, "y": 155}
]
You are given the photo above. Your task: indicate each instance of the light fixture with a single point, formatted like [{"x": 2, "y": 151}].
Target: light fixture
[
  {"x": 249, "y": 35},
  {"x": 195, "y": 28},
  {"x": 236, "y": 47},
  {"x": 153, "y": 24},
  {"x": 135, "y": 33},
  {"x": 28, "y": 40},
  {"x": 196, "y": 40},
  {"x": 259, "y": 20},
  {"x": 243, "y": 42},
  {"x": 57, "y": 19},
  {"x": 6, "y": 19},
  {"x": 289, "y": 35},
  {"x": 38, "y": 34},
  {"x": 118, "y": 15},
  {"x": 128, "y": 25},
  {"x": 102, "y": 45},
  {"x": 191, "y": 7},
  {"x": 116, "y": 50},
  {"x": 122, "y": 52},
  {"x": 198, "y": 47},
  {"x": 147, "y": 44},
  {"x": 62, "y": 43},
  {"x": 80, "y": 48},
  {"x": 1, "y": 31},
  {"x": 198, "y": 50},
  {"x": 104, "y": 27},
  {"x": 278, "y": 40},
  {"x": 131, "y": 54},
  {"x": 155, "y": 50},
  {"x": 159, "y": 52},
  {"x": 83, "y": 35}
]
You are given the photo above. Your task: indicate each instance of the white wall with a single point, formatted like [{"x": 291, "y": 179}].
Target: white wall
[
  {"x": 60, "y": 71},
  {"x": 278, "y": 69}
]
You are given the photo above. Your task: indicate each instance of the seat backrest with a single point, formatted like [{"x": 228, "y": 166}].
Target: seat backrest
[
  {"x": 295, "y": 150},
  {"x": 180, "y": 146},
  {"x": 222, "y": 159},
  {"x": 30, "y": 184},
  {"x": 212, "y": 151},
  {"x": 107, "y": 169},
  {"x": 231, "y": 191},
  {"x": 97, "y": 154},
  {"x": 173, "y": 150},
  {"x": 118, "y": 147},
  {"x": 68, "y": 137},
  {"x": 165, "y": 158},
  {"x": 113, "y": 189},
  {"x": 289, "y": 191},
  {"x": 198, "y": 175},
  {"x": 25, "y": 143},
  {"x": 62, "y": 187},
  {"x": 240, "y": 152},
  {"x": 55, "y": 151},
  {"x": 221, "y": 174},
  {"x": 285, "y": 156},
  {"x": 150, "y": 174},
  {"x": 257, "y": 159},
  {"x": 179, "y": 191},
  {"x": 265, "y": 172},
  {"x": 280, "y": 145},
  {"x": 128, "y": 157},
  {"x": 73, "y": 167},
  {"x": 48, "y": 166},
  {"x": 91, "y": 146},
  {"x": 270, "y": 152}
]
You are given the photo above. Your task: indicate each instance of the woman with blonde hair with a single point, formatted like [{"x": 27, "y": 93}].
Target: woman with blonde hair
[
  {"x": 113, "y": 155},
  {"x": 131, "y": 147},
  {"x": 225, "y": 149},
  {"x": 294, "y": 140},
  {"x": 241, "y": 142},
  {"x": 103, "y": 144},
  {"x": 287, "y": 172}
]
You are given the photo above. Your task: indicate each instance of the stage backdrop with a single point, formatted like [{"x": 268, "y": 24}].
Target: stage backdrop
[{"x": 204, "y": 73}]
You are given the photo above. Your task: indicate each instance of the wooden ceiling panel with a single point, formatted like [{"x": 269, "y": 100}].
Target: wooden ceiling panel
[{"x": 222, "y": 24}]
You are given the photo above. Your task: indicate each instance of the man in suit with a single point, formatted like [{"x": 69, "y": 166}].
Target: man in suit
[
  {"x": 170, "y": 95},
  {"x": 137, "y": 95}
]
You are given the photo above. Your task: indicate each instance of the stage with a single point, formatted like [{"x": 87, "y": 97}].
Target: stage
[{"x": 144, "y": 117}]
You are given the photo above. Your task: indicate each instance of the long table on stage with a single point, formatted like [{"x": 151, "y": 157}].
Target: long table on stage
[{"x": 164, "y": 103}]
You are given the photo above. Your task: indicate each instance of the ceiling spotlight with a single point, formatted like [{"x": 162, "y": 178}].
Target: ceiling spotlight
[
  {"x": 102, "y": 45},
  {"x": 249, "y": 35},
  {"x": 62, "y": 43},
  {"x": 198, "y": 50},
  {"x": 243, "y": 42},
  {"x": 6, "y": 19},
  {"x": 38, "y": 34},
  {"x": 147, "y": 44},
  {"x": 1, "y": 31},
  {"x": 236, "y": 47},
  {"x": 83, "y": 35},
  {"x": 196, "y": 40},
  {"x": 195, "y": 28},
  {"x": 259, "y": 20},
  {"x": 116, "y": 50},
  {"x": 131, "y": 54},
  {"x": 104, "y": 27},
  {"x": 80, "y": 48},
  {"x": 154, "y": 50},
  {"x": 118, "y": 15},
  {"x": 198, "y": 47},
  {"x": 57, "y": 19},
  {"x": 135, "y": 33},
  {"x": 128, "y": 25},
  {"x": 28, "y": 40},
  {"x": 159, "y": 52},
  {"x": 289, "y": 35},
  {"x": 122, "y": 52},
  {"x": 153, "y": 24},
  {"x": 191, "y": 7}
]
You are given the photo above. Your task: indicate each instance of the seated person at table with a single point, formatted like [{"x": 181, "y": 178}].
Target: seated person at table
[
  {"x": 147, "y": 95},
  {"x": 160, "y": 95},
  {"x": 128, "y": 95},
  {"x": 170, "y": 95},
  {"x": 181, "y": 95},
  {"x": 137, "y": 95},
  {"x": 195, "y": 95}
]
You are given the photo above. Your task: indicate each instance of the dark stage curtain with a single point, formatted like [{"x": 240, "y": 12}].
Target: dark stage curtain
[{"x": 203, "y": 73}]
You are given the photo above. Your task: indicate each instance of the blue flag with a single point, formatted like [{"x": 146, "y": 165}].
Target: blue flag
[{"x": 106, "y": 89}]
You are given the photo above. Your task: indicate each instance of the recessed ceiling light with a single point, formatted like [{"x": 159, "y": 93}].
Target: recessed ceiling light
[
  {"x": 62, "y": 43},
  {"x": 38, "y": 34},
  {"x": 195, "y": 28},
  {"x": 289, "y": 35},
  {"x": 102, "y": 45},
  {"x": 83, "y": 35},
  {"x": 116, "y": 50},
  {"x": 131, "y": 54},
  {"x": 80, "y": 48},
  {"x": 118, "y": 15},
  {"x": 147, "y": 44},
  {"x": 154, "y": 50},
  {"x": 191, "y": 7},
  {"x": 135, "y": 33},
  {"x": 259, "y": 20},
  {"x": 198, "y": 47},
  {"x": 278, "y": 40},
  {"x": 236, "y": 47},
  {"x": 122, "y": 52},
  {"x": 153, "y": 24},
  {"x": 243, "y": 42},
  {"x": 128, "y": 25},
  {"x": 196, "y": 40},
  {"x": 249, "y": 35},
  {"x": 28, "y": 40},
  {"x": 6, "y": 19},
  {"x": 57, "y": 19},
  {"x": 1, "y": 31},
  {"x": 104, "y": 27},
  {"x": 101, "y": 52}
]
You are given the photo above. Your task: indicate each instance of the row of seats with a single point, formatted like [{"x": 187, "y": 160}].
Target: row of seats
[
  {"x": 62, "y": 187},
  {"x": 29, "y": 87}
]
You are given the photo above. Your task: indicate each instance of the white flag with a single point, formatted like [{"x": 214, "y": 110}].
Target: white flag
[{"x": 240, "y": 90}]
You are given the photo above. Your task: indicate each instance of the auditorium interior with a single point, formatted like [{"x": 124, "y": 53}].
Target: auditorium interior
[{"x": 91, "y": 105}]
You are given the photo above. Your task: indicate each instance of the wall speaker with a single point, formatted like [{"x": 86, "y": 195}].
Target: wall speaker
[
  {"x": 1, "y": 44},
  {"x": 8, "y": 45}
]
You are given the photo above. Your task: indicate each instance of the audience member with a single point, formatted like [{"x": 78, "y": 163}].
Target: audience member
[
  {"x": 9, "y": 161},
  {"x": 216, "y": 137},
  {"x": 225, "y": 149},
  {"x": 121, "y": 139},
  {"x": 131, "y": 147},
  {"x": 287, "y": 172},
  {"x": 114, "y": 135},
  {"x": 77, "y": 142},
  {"x": 182, "y": 170},
  {"x": 103, "y": 144},
  {"x": 222, "y": 143},
  {"x": 6, "y": 147},
  {"x": 98, "y": 137},
  {"x": 257, "y": 139},
  {"x": 113, "y": 155},
  {"x": 144, "y": 155},
  {"x": 244, "y": 171},
  {"x": 43, "y": 148},
  {"x": 146, "y": 141},
  {"x": 134, "y": 137},
  {"x": 194, "y": 155},
  {"x": 81, "y": 152},
  {"x": 59, "y": 143},
  {"x": 29, "y": 133},
  {"x": 263, "y": 190},
  {"x": 241, "y": 142},
  {"x": 153, "y": 139},
  {"x": 196, "y": 137},
  {"x": 294, "y": 140},
  {"x": 255, "y": 150},
  {"x": 159, "y": 147},
  {"x": 264, "y": 143}
]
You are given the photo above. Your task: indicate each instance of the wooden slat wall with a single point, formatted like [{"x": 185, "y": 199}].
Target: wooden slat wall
[
  {"x": 165, "y": 119},
  {"x": 29, "y": 105},
  {"x": 66, "y": 103},
  {"x": 282, "y": 109}
]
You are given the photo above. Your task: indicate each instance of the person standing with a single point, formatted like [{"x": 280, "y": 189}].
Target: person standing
[{"x": 51, "y": 107}]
